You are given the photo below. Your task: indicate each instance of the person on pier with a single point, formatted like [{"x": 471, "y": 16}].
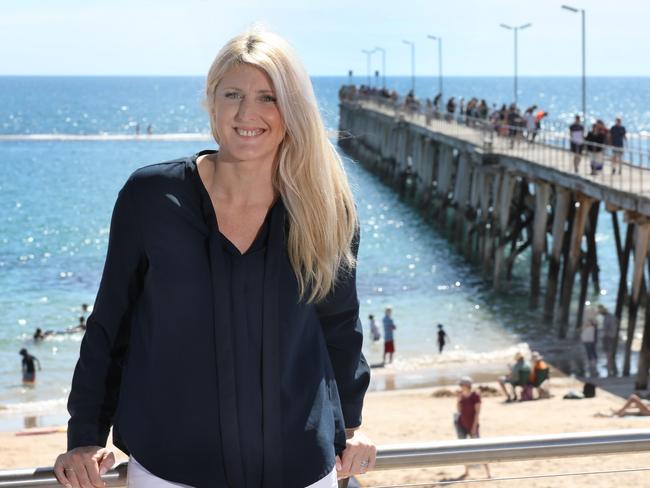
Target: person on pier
[
  {"x": 577, "y": 140},
  {"x": 617, "y": 138}
]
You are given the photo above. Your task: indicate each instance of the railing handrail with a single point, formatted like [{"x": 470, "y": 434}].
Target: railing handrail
[{"x": 414, "y": 455}]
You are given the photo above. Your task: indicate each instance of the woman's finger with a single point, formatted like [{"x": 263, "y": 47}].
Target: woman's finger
[
  {"x": 373, "y": 457},
  {"x": 59, "y": 472},
  {"x": 79, "y": 471},
  {"x": 106, "y": 463},
  {"x": 92, "y": 471},
  {"x": 72, "y": 476}
]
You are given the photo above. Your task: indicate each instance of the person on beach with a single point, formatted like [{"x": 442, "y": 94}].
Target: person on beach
[
  {"x": 39, "y": 335},
  {"x": 577, "y": 140},
  {"x": 389, "y": 342},
  {"x": 466, "y": 420},
  {"x": 29, "y": 370},
  {"x": 442, "y": 338},
  {"x": 610, "y": 332},
  {"x": 518, "y": 376},
  {"x": 85, "y": 310},
  {"x": 224, "y": 348},
  {"x": 589, "y": 339},
  {"x": 634, "y": 405},
  {"x": 617, "y": 137},
  {"x": 374, "y": 329},
  {"x": 81, "y": 327},
  {"x": 539, "y": 375}
]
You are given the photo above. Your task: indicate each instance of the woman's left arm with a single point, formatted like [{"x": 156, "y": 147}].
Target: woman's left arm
[{"x": 339, "y": 318}]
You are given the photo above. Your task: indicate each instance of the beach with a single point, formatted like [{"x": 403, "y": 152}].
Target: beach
[{"x": 425, "y": 414}]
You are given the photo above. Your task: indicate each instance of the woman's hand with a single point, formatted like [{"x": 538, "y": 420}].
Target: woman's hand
[
  {"x": 83, "y": 467},
  {"x": 358, "y": 457}
]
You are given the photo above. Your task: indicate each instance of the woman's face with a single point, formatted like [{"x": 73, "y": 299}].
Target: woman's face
[{"x": 248, "y": 123}]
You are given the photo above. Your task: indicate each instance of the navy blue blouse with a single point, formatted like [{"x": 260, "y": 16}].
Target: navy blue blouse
[{"x": 209, "y": 368}]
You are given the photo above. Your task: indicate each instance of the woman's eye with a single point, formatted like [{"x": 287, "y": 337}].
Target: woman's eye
[
  {"x": 233, "y": 95},
  {"x": 269, "y": 99}
]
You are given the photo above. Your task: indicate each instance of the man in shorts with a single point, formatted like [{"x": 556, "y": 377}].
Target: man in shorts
[{"x": 389, "y": 327}]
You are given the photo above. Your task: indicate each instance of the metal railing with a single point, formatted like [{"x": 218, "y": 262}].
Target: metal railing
[{"x": 431, "y": 454}]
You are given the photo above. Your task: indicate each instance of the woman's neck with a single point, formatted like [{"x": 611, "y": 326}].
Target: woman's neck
[{"x": 242, "y": 183}]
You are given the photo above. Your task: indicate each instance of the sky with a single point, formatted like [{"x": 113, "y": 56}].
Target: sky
[{"x": 181, "y": 37}]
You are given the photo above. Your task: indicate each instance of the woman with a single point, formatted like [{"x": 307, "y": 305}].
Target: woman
[
  {"x": 225, "y": 343},
  {"x": 466, "y": 420}
]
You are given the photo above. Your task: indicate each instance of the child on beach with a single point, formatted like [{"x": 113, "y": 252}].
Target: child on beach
[{"x": 29, "y": 371}]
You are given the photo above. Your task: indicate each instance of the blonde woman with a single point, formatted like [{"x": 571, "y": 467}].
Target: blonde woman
[{"x": 225, "y": 345}]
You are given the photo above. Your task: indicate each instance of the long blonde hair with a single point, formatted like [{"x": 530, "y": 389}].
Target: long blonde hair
[{"x": 309, "y": 173}]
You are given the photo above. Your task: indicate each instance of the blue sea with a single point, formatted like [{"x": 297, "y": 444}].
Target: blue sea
[{"x": 67, "y": 144}]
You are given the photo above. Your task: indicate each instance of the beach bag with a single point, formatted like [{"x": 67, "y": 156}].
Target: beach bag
[{"x": 589, "y": 390}]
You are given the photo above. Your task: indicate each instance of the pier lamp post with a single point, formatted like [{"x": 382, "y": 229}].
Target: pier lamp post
[
  {"x": 439, "y": 39},
  {"x": 412, "y": 44},
  {"x": 368, "y": 53},
  {"x": 383, "y": 65},
  {"x": 516, "y": 30},
  {"x": 584, "y": 55}
]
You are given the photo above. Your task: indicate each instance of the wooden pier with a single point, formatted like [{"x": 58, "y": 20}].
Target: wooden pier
[{"x": 497, "y": 197}]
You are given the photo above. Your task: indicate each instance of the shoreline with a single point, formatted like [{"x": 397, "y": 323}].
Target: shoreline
[{"x": 403, "y": 375}]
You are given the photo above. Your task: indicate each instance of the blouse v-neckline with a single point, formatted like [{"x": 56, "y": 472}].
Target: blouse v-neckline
[{"x": 258, "y": 242}]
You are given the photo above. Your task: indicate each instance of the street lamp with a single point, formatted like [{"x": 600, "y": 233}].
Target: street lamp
[
  {"x": 383, "y": 66},
  {"x": 368, "y": 53},
  {"x": 516, "y": 29},
  {"x": 412, "y": 44},
  {"x": 584, "y": 56},
  {"x": 439, "y": 39}
]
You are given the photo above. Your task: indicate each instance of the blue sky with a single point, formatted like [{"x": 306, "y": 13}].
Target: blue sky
[{"x": 181, "y": 37}]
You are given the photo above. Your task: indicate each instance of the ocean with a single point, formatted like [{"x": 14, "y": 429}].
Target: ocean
[{"x": 67, "y": 144}]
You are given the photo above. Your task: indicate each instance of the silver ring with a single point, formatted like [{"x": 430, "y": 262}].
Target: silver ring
[
  {"x": 68, "y": 469},
  {"x": 364, "y": 464}
]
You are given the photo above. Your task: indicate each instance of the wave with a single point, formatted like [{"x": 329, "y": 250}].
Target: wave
[
  {"x": 457, "y": 357},
  {"x": 40, "y": 406},
  {"x": 104, "y": 137}
]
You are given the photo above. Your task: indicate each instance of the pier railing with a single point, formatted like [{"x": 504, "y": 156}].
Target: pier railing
[
  {"x": 432, "y": 454},
  {"x": 547, "y": 147}
]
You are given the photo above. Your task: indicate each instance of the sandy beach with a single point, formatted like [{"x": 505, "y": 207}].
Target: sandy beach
[{"x": 425, "y": 414}]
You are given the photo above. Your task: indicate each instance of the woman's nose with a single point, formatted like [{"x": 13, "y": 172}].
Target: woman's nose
[{"x": 246, "y": 108}]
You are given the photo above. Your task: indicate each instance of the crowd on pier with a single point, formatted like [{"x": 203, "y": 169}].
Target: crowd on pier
[{"x": 507, "y": 121}]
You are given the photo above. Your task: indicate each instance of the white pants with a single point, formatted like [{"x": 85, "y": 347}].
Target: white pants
[{"x": 139, "y": 477}]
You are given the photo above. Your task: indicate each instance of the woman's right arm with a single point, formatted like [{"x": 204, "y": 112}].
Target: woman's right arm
[{"x": 96, "y": 382}]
